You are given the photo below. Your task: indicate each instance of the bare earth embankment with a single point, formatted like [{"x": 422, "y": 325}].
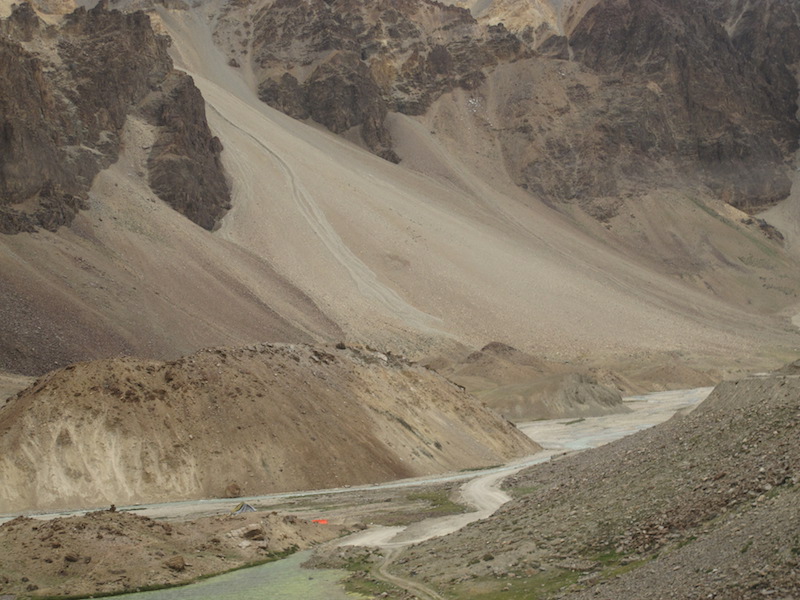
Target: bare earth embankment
[
  {"x": 232, "y": 422},
  {"x": 105, "y": 551}
]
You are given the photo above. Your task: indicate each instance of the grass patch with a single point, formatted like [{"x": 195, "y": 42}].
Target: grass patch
[
  {"x": 438, "y": 505},
  {"x": 523, "y": 490},
  {"x": 538, "y": 587},
  {"x": 367, "y": 586},
  {"x": 615, "y": 564},
  {"x": 361, "y": 581},
  {"x": 439, "y": 502}
]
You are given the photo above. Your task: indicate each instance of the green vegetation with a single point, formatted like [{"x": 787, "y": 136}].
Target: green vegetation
[
  {"x": 523, "y": 490},
  {"x": 615, "y": 564},
  {"x": 367, "y": 586},
  {"x": 537, "y": 587},
  {"x": 439, "y": 502},
  {"x": 362, "y": 582}
]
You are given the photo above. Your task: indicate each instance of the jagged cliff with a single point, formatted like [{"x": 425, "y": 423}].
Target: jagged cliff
[
  {"x": 346, "y": 64},
  {"x": 609, "y": 100},
  {"x": 66, "y": 93}
]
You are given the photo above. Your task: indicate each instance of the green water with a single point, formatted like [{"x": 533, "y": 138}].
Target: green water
[{"x": 280, "y": 580}]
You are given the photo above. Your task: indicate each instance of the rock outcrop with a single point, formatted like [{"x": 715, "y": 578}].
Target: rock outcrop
[
  {"x": 609, "y": 101},
  {"x": 184, "y": 164},
  {"x": 65, "y": 95},
  {"x": 680, "y": 86},
  {"x": 344, "y": 64}
]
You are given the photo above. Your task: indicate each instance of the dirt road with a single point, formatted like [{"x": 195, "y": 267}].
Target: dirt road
[{"x": 557, "y": 437}]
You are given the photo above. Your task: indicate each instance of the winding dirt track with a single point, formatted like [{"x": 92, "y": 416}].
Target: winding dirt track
[{"x": 483, "y": 494}]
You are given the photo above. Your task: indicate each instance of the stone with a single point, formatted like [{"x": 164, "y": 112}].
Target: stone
[{"x": 175, "y": 563}]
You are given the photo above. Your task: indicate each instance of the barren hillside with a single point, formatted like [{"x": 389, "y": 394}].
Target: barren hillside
[
  {"x": 524, "y": 388},
  {"x": 703, "y": 504},
  {"x": 106, "y": 552},
  {"x": 439, "y": 254},
  {"x": 234, "y": 422}
]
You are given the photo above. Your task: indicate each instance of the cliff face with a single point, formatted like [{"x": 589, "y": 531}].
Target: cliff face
[
  {"x": 66, "y": 93},
  {"x": 608, "y": 100},
  {"x": 680, "y": 86},
  {"x": 345, "y": 64},
  {"x": 660, "y": 95}
]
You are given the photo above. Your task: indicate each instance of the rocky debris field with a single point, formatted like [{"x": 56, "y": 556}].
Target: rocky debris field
[
  {"x": 107, "y": 551},
  {"x": 704, "y": 505}
]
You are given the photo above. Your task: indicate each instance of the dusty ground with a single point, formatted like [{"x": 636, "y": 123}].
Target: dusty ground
[{"x": 106, "y": 551}]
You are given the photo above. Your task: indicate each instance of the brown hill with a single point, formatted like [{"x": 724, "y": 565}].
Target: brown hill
[
  {"x": 524, "y": 388},
  {"x": 704, "y": 504},
  {"x": 105, "y": 551},
  {"x": 230, "y": 422}
]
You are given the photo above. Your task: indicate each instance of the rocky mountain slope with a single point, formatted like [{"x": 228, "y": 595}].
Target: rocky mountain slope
[
  {"x": 705, "y": 503},
  {"x": 636, "y": 118},
  {"x": 655, "y": 94},
  {"x": 437, "y": 255},
  {"x": 238, "y": 422},
  {"x": 67, "y": 92}
]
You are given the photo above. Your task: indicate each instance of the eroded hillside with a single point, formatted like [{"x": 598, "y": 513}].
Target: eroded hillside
[
  {"x": 233, "y": 422},
  {"x": 558, "y": 199}
]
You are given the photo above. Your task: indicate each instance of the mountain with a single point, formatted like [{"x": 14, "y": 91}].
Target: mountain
[
  {"x": 628, "y": 97},
  {"x": 610, "y": 212}
]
